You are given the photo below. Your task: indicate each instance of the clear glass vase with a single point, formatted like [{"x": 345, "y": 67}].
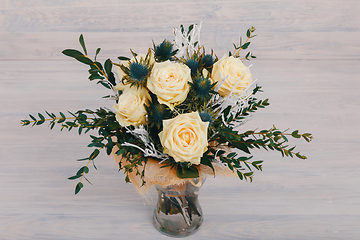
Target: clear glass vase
[{"x": 178, "y": 212}]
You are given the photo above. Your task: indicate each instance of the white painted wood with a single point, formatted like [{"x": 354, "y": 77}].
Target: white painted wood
[
  {"x": 298, "y": 29},
  {"x": 291, "y": 199}
]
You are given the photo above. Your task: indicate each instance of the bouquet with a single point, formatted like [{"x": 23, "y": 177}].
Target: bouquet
[{"x": 176, "y": 113}]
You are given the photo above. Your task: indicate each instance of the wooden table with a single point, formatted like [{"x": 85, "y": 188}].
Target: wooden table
[{"x": 308, "y": 64}]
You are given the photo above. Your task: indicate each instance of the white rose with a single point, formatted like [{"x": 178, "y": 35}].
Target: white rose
[
  {"x": 232, "y": 69},
  {"x": 121, "y": 74},
  {"x": 169, "y": 82},
  {"x": 130, "y": 109},
  {"x": 185, "y": 137}
]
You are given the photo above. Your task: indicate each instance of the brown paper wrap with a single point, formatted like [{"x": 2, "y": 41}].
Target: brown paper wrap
[{"x": 155, "y": 175}]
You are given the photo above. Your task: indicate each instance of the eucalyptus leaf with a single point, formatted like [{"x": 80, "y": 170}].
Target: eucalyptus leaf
[
  {"x": 97, "y": 52},
  {"x": 72, "y": 53},
  {"x": 74, "y": 177},
  {"x": 206, "y": 161},
  {"x": 123, "y": 58},
  {"x": 84, "y": 60},
  {"x": 78, "y": 187},
  {"x": 82, "y": 43}
]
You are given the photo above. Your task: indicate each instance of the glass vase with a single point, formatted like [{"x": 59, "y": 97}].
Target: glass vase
[{"x": 178, "y": 212}]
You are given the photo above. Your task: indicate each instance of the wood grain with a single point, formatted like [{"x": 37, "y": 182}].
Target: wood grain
[
  {"x": 291, "y": 199},
  {"x": 308, "y": 66},
  {"x": 286, "y": 29}
]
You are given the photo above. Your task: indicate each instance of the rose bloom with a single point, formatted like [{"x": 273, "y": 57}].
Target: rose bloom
[
  {"x": 169, "y": 82},
  {"x": 185, "y": 137},
  {"x": 233, "y": 69},
  {"x": 130, "y": 109},
  {"x": 121, "y": 74}
]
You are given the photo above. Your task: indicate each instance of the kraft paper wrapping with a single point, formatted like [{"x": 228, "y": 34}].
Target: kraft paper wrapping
[{"x": 155, "y": 175}]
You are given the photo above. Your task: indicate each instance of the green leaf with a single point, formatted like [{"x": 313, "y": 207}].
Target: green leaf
[
  {"x": 41, "y": 117},
  {"x": 94, "y": 165},
  {"x": 295, "y": 134},
  {"x": 226, "y": 111},
  {"x": 40, "y": 122},
  {"x": 256, "y": 162},
  {"x": 74, "y": 177},
  {"x": 25, "y": 122},
  {"x": 240, "y": 175},
  {"x": 78, "y": 187},
  {"x": 127, "y": 179},
  {"x": 84, "y": 60},
  {"x": 185, "y": 172},
  {"x": 61, "y": 120},
  {"x": 108, "y": 66},
  {"x": 248, "y": 174},
  {"x": 99, "y": 66},
  {"x": 244, "y": 158},
  {"x": 82, "y": 43},
  {"x": 242, "y": 147},
  {"x": 87, "y": 180},
  {"x": 94, "y": 154},
  {"x": 230, "y": 155},
  {"x": 95, "y": 76},
  {"x": 123, "y": 58},
  {"x": 49, "y": 114},
  {"x": 97, "y": 52},
  {"x": 82, "y": 170},
  {"x": 190, "y": 28},
  {"x": 82, "y": 116},
  {"x": 72, "y": 114},
  {"x": 245, "y": 46},
  {"x": 206, "y": 161},
  {"x": 248, "y": 33},
  {"x": 105, "y": 85},
  {"x": 111, "y": 78},
  {"x": 32, "y": 117},
  {"x": 72, "y": 53},
  {"x": 110, "y": 146},
  {"x": 71, "y": 124}
]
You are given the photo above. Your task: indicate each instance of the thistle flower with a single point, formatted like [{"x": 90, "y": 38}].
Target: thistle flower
[
  {"x": 207, "y": 61},
  {"x": 193, "y": 65},
  {"x": 157, "y": 113},
  {"x": 136, "y": 71},
  {"x": 207, "y": 116},
  {"x": 202, "y": 87},
  {"x": 164, "y": 51},
  {"x": 139, "y": 72}
]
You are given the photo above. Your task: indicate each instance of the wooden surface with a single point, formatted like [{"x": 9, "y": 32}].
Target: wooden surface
[{"x": 308, "y": 65}]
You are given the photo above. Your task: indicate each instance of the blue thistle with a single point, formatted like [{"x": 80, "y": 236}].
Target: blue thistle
[
  {"x": 202, "y": 87},
  {"x": 164, "y": 51},
  {"x": 157, "y": 113},
  {"x": 193, "y": 65},
  {"x": 207, "y": 61},
  {"x": 138, "y": 73},
  {"x": 206, "y": 116}
]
